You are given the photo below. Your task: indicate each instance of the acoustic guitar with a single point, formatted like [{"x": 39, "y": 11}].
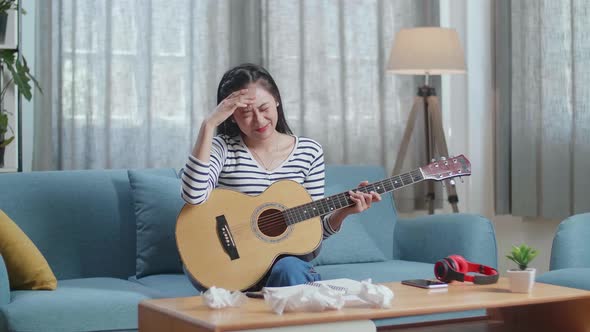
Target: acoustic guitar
[{"x": 232, "y": 240}]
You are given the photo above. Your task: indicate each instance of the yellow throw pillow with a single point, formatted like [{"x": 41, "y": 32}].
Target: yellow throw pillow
[{"x": 26, "y": 266}]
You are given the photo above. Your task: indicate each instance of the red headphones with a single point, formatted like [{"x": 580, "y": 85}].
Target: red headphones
[{"x": 456, "y": 267}]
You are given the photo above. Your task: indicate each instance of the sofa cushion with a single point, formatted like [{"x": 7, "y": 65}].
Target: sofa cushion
[
  {"x": 168, "y": 285},
  {"x": 380, "y": 219},
  {"x": 571, "y": 277},
  {"x": 388, "y": 271},
  {"x": 26, "y": 266},
  {"x": 90, "y": 304},
  {"x": 352, "y": 244},
  {"x": 82, "y": 221},
  {"x": 157, "y": 202}
]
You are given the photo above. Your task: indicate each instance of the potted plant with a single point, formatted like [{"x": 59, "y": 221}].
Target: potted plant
[
  {"x": 5, "y": 6},
  {"x": 523, "y": 278},
  {"x": 14, "y": 70}
]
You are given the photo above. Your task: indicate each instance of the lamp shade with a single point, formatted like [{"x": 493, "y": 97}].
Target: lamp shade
[{"x": 426, "y": 50}]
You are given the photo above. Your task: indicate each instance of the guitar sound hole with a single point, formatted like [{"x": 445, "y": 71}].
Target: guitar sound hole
[{"x": 272, "y": 223}]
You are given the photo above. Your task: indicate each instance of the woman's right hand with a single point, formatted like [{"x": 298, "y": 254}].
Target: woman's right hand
[{"x": 227, "y": 107}]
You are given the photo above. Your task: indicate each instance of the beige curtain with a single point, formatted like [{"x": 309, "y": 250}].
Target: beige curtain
[
  {"x": 129, "y": 82},
  {"x": 329, "y": 60},
  {"x": 549, "y": 109}
]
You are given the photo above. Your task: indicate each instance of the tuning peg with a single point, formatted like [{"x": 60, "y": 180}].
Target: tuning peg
[
  {"x": 452, "y": 182},
  {"x": 433, "y": 160},
  {"x": 443, "y": 158}
]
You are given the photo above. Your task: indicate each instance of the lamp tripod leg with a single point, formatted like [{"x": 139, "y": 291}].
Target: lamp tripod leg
[
  {"x": 441, "y": 146},
  {"x": 430, "y": 154},
  {"x": 403, "y": 147}
]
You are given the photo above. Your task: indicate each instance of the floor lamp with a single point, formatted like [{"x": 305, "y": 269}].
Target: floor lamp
[{"x": 427, "y": 51}]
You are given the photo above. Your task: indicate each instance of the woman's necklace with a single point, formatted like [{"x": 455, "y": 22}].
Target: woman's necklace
[{"x": 271, "y": 163}]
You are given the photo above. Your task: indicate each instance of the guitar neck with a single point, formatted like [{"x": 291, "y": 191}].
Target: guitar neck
[{"x": 342, "y": 200}]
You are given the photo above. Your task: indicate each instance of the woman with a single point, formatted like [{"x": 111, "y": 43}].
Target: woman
[{"x": 255, "y": 147}]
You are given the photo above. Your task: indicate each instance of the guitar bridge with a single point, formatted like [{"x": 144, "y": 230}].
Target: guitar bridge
[{"x": 225, "y": 238}]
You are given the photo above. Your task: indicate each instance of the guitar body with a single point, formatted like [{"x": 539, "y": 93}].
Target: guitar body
[{"x": 232, "y": 240}]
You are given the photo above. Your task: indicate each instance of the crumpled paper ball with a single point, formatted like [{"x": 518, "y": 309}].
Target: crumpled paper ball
[{"x": 217, "y": 298}]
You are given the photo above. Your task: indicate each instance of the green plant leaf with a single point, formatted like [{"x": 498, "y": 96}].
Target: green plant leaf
[
  {"x": 20, "y": 72},
  {"x": 6, "y": 5},
  {"x": 6, "y": 142}
]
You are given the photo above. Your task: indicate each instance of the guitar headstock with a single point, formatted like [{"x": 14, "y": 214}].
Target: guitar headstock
[{"x": 447, "y": 168}]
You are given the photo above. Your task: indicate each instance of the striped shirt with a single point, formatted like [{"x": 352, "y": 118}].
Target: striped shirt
[{"x": 232, "y": 166}]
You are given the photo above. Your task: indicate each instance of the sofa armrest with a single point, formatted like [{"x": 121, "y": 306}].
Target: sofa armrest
[
  {"x": 570, "y": 248},
  {"x": 430, "y": 238},
  {"x": 4, "y": 283}
]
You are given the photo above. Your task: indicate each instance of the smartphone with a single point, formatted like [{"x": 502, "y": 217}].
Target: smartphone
[{"x": 425, "y": 283}]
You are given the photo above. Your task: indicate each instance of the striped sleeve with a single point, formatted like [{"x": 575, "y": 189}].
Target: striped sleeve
[
  {"x": 328, "y": 231},
  {"x": 315, "y": 179},
  {"x": 198, "y": 179},
  {"x": 314, "y": 184}
]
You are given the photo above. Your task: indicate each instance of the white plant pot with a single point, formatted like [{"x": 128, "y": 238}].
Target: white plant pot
[{"x": 521, "y": 281}]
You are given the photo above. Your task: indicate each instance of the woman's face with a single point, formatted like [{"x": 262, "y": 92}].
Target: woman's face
[{"x": 259, "y": 120}]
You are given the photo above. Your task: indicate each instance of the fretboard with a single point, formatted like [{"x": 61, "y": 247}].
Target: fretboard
[{"x": 335, "y": 202}]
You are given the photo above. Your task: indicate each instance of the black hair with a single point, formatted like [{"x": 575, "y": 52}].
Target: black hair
[{"x": 238, "y": 78}]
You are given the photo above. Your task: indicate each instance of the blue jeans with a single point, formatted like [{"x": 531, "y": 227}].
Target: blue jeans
[{"x": 286, "y": 271}]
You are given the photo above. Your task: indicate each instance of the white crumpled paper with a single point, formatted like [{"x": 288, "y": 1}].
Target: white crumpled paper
[
  {"x": 327, "y": 295},
  {"x": 302, "y": 298},
  {"x": 378, "y": 296},
  {"x": 217, "y": 298}
]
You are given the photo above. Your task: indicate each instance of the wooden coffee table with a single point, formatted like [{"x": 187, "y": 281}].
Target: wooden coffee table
[{"x": 546, "y": 308}]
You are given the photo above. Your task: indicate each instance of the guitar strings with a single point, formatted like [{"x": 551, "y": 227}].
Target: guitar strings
[
  {"x": 344, "y": 201},
  {"x": 270, "y": 222}
]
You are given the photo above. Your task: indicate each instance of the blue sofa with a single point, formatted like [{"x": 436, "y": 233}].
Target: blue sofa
[
  {"x": 570, "y": 254},
  {"x": 108, "y": 236}
]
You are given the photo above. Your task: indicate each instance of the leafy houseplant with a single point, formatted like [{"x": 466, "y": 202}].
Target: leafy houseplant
[
  {"x": 522, "y": 256},
  {"x": 523, "y": 278},
  {"x": 18, "y": 73}
]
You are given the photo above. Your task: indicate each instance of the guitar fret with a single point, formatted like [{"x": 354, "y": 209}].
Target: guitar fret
[
  {"x": 287, "y": 216},
  {"x": 374, "y": 187},
  {"x": 342, "y": 200},
  {"x": 381, "y": 189},
  {"x": 388, "y": 185},
  {"x": 294, "y": 214},
  {"x": 300, "y": 212},
  {"x": 417, "y": 175},
  {"x": 406, "y": 179},
  {"x": 330, "y": 204},
  {"x": 314, "y": 209},
  {"x": 397, "y": 182},
  {"x": 325, "y": 205}
]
